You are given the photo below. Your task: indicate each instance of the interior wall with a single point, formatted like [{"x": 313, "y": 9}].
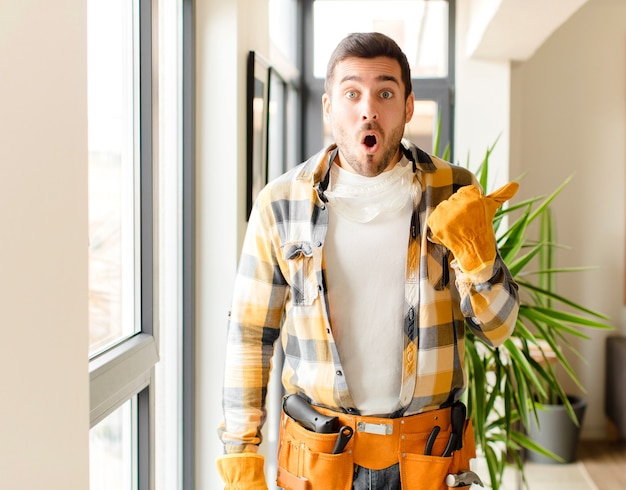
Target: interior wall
[
  {"x": 569, "y": 119},
  {"x": 44, "y": 404},
  {"x": 225, "y": 32},
  {"x": 482, "y": 100}
]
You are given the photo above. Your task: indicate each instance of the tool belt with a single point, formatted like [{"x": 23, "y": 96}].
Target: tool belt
[{"x": 306, "y": 462}]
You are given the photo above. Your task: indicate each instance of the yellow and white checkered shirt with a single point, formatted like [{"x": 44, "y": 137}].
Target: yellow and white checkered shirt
[{"x": 280, "y": 291}]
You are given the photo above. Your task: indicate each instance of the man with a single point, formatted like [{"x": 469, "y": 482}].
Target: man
[{"x": 365, "y": 260}]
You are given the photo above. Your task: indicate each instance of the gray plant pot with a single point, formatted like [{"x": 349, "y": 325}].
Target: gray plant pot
[{"x": 556, "y": 432}]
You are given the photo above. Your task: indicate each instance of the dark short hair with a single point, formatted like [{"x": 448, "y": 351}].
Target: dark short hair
[{"x": 369, "y": 45}]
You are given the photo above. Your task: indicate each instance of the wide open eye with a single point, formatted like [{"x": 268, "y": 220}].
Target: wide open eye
[
  {"x": 386, "y": 94},
  {"x": 351, "y": 94}
]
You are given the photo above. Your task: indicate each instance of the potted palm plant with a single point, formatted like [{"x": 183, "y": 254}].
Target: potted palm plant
[
  {"x": 556, "y": 427},
  {"x": 509, "y": 386}
]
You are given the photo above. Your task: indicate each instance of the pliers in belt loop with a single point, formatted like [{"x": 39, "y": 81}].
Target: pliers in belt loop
[{"x": 458, "y": 412}]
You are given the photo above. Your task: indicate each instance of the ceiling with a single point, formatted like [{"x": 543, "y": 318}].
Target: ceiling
[{"x": 515, "y": 29}]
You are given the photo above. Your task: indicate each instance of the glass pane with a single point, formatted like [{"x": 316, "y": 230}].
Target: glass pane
[
  {"x": 283, "y": 25},
  {"x": 112, "y": 113},
  {"x": 420, "y": 27},
  {"x": 277, "y": 128},
  {"x": 422, "y": 128},
  {"x": 111, "y": 451}
]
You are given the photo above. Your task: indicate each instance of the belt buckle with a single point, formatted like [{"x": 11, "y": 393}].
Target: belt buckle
[{"x": 380, "y": 429}]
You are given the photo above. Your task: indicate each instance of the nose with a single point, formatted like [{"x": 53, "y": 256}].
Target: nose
[{"x": 369, "y": 109}]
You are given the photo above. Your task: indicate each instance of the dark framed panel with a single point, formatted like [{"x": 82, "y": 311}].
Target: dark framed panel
[{"x": 257, "y": 107}]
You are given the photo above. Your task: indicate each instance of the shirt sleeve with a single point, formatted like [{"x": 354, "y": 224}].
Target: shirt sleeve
[
  {"x": 490, "y": 301},
  {"x": 253, "y": 328}
]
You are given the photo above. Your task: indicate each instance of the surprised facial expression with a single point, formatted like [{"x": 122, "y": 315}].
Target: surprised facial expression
[{"x": 367, "y": 110}]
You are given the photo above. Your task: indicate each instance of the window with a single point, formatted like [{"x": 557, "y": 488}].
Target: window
[
  {"x": 140, "y": 161},
  {"x": 111, "y": 446},
  {"x": 424, "y": 29},
  {"x": 123, "y": 349},
  {"x": 113, "y": 64},
  {"x": 284, "y": 23},
  {"x": 419, "y": 27}
]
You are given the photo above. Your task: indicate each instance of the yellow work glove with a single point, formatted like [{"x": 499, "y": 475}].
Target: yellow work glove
[
  {"x": 242, "y": 471},
  {"x": 463, "y": 224}
]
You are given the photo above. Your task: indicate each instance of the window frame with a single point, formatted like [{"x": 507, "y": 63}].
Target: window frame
[
  {"x": 126, "y": 369},
  {"x": 188, "y": 249}
]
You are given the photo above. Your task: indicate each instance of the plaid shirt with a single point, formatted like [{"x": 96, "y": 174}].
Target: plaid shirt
[{"x": 281, "y": 282}]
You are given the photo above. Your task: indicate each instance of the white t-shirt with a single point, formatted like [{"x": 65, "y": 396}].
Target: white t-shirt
[{"x": 365, "y": 256}]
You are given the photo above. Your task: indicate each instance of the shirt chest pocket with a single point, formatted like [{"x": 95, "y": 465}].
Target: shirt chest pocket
[
  {"x": 438, "y": 266},
  {"x": 301, "y": 258}
]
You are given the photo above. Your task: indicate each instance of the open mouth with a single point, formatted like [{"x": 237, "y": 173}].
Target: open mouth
[
  {"x": 370, "y": 141},
  {"x": 370, "y": 138}
]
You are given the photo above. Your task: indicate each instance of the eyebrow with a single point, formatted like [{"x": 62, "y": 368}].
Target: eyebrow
[{"x": 380, "y": 78}]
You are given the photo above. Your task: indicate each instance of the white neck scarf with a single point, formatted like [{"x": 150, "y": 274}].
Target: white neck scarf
[{"x": 361, "y": 199}]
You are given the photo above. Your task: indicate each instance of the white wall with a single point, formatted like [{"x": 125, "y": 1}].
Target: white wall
[
  {"x": 482, "y": 105},
  {"x": 44, "y": 400},
  {"x": 570, "y": 119},
  {"x": 226, "y": 31}
]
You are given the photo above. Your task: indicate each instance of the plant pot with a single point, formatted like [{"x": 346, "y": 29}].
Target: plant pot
[{"x": 556, "y": 431}]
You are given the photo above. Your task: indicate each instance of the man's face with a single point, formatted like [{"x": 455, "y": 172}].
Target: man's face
[{"x": 367, "y": 112}]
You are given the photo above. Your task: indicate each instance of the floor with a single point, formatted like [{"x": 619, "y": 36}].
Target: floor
[
  {"x": 605, "y": 462},
  {"x": 599, "y": 465}
]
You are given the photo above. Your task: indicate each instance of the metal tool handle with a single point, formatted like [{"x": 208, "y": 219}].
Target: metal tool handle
[{"x": 463, "y": 479}]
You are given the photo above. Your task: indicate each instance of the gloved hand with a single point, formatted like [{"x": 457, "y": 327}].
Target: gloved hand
[
  {"x": 463, "y": 224},
  {"x": 242, "y": 471}
]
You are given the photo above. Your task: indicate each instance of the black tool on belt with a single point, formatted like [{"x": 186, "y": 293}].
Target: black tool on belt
[
  {"x": 458, "y": 412},
  {"x": 302, "y": 412}
]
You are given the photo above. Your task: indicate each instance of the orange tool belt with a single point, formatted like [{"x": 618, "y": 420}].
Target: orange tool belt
[{"x": 306, "y": 462}]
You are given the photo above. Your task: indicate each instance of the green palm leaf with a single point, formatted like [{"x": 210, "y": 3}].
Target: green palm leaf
[{"x": 506, "y": 386}]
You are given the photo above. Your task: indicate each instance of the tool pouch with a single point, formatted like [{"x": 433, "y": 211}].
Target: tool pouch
[
  {"x": 421, "y": 472},
  {"x": 305, "y": 461}
]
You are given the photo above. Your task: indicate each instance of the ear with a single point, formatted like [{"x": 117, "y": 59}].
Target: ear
[
  {"x": 326, "y": 104},
  {"x": 410, "y": 106}
]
